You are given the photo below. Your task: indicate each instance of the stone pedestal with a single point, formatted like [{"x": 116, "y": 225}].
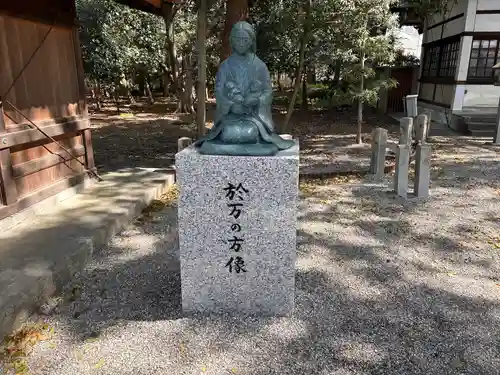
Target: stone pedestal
[
  {"x": 406, "y": 130},
  {"x": 183, "y": 142},
  {"x": 496, "y": 137},
  {"x": 379, "y": 146},
  {"x": 422, "y": 170},
  {"x": 237, "y": 232},
  {"x": 421, "y": 128},
  {"x": 402, "y": 168}
]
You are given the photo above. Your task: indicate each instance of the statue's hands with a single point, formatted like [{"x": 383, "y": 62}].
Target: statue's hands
[
  {"x": 239, "y": 99},
  {"x": 238, "y": 109},
  {"x": 252, "y": 101}
]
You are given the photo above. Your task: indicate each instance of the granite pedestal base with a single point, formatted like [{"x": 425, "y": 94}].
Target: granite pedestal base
[{"x": 237, "y": 232}]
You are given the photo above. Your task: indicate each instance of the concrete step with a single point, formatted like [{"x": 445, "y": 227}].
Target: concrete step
[
  {"x": 482, "y": 133},
  {"x": 40, "y": 255},
  {"x": 480, "y": 125}
]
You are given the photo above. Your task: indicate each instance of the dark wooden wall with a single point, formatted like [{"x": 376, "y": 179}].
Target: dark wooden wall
[
  {"x": 51, "y": 93},
  {"x": 53, "y": 12},
  {"x": 404, "y": 76}
]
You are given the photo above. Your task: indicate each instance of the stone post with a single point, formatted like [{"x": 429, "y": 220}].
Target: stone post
[
  {"x": 422, "y": 170},
  {"x": 405, "y": 129},
  {"x": 496, "y": 138},
  {"x": 402, "y": 166},
  {"x": 422, "y": 158},
  {"x": 421, "y": 128},
  {"x": 183, "y": 142},
  {"x": 403, "y": 157},
  {"x": 379, "y": 145}
]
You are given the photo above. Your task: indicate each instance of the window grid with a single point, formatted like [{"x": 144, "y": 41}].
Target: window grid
[
  {"x": 449, "y": 59},
  {"x": 485, "y": 54},
  {"x": 431, "y": 62}
]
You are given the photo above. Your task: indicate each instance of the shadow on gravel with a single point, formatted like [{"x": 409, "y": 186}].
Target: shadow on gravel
[{"x": 358, "y": 310}]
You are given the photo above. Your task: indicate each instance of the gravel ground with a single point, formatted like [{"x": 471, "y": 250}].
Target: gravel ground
[{"x": 384, "y": 286}]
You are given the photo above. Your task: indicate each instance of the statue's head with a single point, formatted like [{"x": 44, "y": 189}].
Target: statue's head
[{"x": 242, "y": 38}]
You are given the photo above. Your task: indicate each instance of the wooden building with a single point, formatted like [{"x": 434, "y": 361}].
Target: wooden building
[
  {"x": 460, "y": 46},
  {"x": 45, "y": 142}
]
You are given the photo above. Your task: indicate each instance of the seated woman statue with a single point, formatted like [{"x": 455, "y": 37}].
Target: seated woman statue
[{"x": 243, "y": 92}]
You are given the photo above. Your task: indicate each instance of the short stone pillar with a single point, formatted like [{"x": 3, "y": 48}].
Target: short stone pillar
[
  {"x": 496, "y": 137},
  {"x": 422, "y": 170},
  {"x": 422, "y": 128},
  {"x": 403, "y": 157},
  {"x": 405, "y": 130},
  {"x": 183, "y": 143},
  {"x": 422, "y": 158},
  {"x": 379, "y": 146},
  {"x": 237, "y": 232},
  {"x": 402, "y": 169}
]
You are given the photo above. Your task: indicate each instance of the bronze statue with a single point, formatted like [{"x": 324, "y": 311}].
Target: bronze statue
[{"x": 243, "y": 92}]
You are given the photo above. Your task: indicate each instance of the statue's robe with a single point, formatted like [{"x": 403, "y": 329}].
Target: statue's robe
[{"x": 245, "y": 71}]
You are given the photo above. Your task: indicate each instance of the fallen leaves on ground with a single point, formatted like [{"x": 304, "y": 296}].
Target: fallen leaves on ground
[
  {"x": 309, "y": 187},
  {"x": 99, "y": 364},
  {"x": 17, "y": 346},
  {"x": 167, "y": 199}
]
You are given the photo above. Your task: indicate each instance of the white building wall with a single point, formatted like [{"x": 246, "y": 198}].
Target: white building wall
[
  {"x": 470, "y": 15},
  {"x": 487, "y": 4},
  {"x": 481, "y": 96},
  {"x": 487, "y": 22},
  {"x": 462, "y": 95}
]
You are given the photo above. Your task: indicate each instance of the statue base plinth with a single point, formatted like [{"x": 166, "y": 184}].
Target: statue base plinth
[
  {"x": 220, "y": 148},
  {"x": 238, "y": 243}
]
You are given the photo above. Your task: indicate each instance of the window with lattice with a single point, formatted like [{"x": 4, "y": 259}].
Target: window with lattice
[
  {"x": 449, "y": 59},
  {"x": 484, "y": 55}
]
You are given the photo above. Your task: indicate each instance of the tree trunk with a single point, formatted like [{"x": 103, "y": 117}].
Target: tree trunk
[
  {"x": 361, "y": 86},
  {"x": 149, "y": 93},
  {"x": 166, "y": 81},
  {"x": 131, "y": 99},
  {"x": 96, "y": 95},
  {"x": 305, "y": 104},
  {"x": 117, "y": 99},
  {"x": 280, "y": 86},
  {"x": 236, "y": 10},
  {"x": 188, "y": 85},
  {"x": 311, "y": 74},
  {"x": 202, "y": 91},
  {"x": 302, "y": 52},
  {"x": 141, "y": 76},
  {"x": 338, "y": 69},
  {"x": 360, "y": 112},
  {"x": 169, "y": 10}
]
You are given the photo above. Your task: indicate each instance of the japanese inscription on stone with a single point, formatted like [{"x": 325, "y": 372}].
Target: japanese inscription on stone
[{"x": 235, "y": 194}]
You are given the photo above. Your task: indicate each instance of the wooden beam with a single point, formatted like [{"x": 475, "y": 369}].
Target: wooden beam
[
  {"x": 9, "y": 190},
  {"x": 142, "y": 5},
  {"x": 82, "y": 92},
  {"x": 8, "y": 140},
  {"x": 202, "y": 67},
  {"x": 42, "y": 194},
  {"x": 89, "y": 150},
  {"x": 57, "y": 18},
  {"x": 45, "y": 162}
]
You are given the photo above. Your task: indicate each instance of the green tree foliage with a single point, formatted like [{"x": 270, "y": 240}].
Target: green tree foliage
[
  {"x": 347, "y": 41},
  {"x": 119, "y": 43}
]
